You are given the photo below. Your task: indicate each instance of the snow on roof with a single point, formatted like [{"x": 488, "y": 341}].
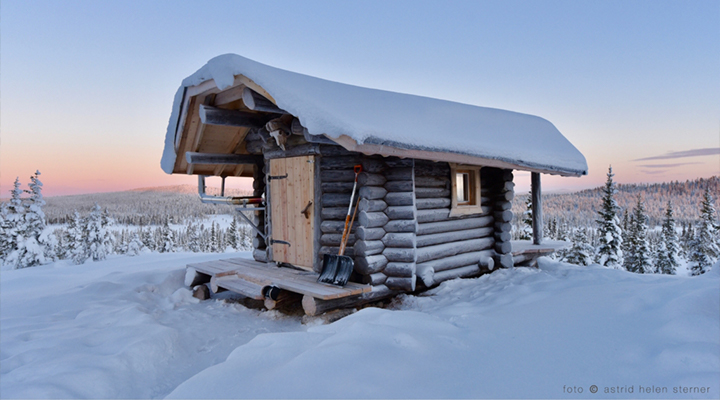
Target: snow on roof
[{"x": 378, "y": 117}]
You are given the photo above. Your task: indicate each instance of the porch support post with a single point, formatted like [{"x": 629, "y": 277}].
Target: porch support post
[{"x": 537, "y": 219}]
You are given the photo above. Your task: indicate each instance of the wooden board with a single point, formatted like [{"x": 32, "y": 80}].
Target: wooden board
[{"x": 289, "y": 197}]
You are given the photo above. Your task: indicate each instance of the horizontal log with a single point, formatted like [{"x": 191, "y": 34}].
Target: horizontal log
[
  {"x": 336, "y": 213},
  {"x": 259, "y": 242},
  {"x": 400, "y": 198},
  {"x": 425, "y": 204},
  {"x": 462, "y": 272},
  {"x": 395, "y": 254},
  {"x": 221, "y": 159},
  {"x": 399, "y": 174},
  {"x": 400, "y": 269},
  {"x": 372, "y": 192},
  {"x": 504, "y": 260},
  {"x": 214, "y": 285},
  {"x": 335, "y": 151},
  {"x": 502, "y": 205},
  {"x": 335, "y": 250},
  {"x": 450, "y": 249},
  {"x": 503, "y": 236},
  {"x": 442, "y": 214},
  {"x": 335, "y": 199},
  {"x": 254, "y": 146},
  {"x": 369, "y": 179},
  {"x": 399, "y": 239},
  {"x": 424, "y": 193},
  {"x": 373, "y": 165},
  {"x": 399, "y": 186},
  {"x": 400, "y": 212},
  {"x": 507, "y": 196},
  {"x": 401, "y": 225},
  {"x": 336, "y": 187},
  {"x": 504, "y": 216},
  {"x": 339, "y": 175},
  {"x": 454, "y": 225},
  {"x": 260, "y": 135},
  {"x": 307, "y": 149},
  {"x": 425, "y": 274},
  {"x": 432, "y": 169},
  {"x": 459, "y": 260},
  {"x": 454, "y": 236},
  {"x": 257, "y": 102},
  {"x": 503, "y": 247},
  {"x": 486, "y": 201},
  {"x": 368, "y": 247},
  {"x": 404, "y": 284},
  {"x": 260, "y": 255},
  {"x": 313, "y": 306},
  {"x": 366, "y": 265},
  {"x": 371, "y": 205},
  {"x": 394, "y": 162},
  {"x": 334, "y": 239},
  {"x": 372, "y": 219},
  {"x": 374, "y": 279},
  {"x": 365, "y": 233},
  {"x": 194, "y": 278},
  {"x": 335, "y": 227},
  {"x": 503, "y": 227},
  {"x": 340, "y": 162},
  {"x": 432, "y": 182},
  {"x": 241, "y": 119},
  {"x": 284, "y": 299},
  {"x": 508, "y": 187}
]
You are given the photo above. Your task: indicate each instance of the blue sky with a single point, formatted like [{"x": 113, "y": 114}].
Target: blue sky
[{"x": 86, "y": 86}]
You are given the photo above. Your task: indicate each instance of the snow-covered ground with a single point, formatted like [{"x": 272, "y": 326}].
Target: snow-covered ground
[{"x": 126, "y": 327}]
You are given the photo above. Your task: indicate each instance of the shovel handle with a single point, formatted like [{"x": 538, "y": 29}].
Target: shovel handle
[{"x": 358, "y": 169}]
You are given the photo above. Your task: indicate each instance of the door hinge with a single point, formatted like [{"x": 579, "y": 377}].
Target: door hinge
[
  {"x": 271, "y": 177},
  {"x": 273, "y": 241}
]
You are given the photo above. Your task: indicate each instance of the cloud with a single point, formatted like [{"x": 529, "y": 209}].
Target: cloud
[
  {"x": 656, "y": 172},
  {"x": 710, "y": 151},
  {"x": 669, "y": 165}
]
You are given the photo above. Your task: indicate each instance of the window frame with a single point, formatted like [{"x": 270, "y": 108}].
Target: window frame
[{"x": 473, "y": 205}]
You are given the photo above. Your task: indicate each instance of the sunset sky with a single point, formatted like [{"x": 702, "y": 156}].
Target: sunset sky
[{"x": 86, "y": 87}]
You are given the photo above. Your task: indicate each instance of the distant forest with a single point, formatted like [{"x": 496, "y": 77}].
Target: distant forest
[
  {"x": 579, "y": 209},
  {"x": 147, "y": 206}
]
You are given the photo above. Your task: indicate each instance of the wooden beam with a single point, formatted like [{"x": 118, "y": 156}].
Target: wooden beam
[
  {"x": 537, "y": 218},
  {"x": 257, "y": 102},
  {"x": 218, "y": 116},
  {"x": 227, "y": 159}
]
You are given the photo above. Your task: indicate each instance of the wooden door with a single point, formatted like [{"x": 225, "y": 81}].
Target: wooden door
[{"x": 289, "y": 197}]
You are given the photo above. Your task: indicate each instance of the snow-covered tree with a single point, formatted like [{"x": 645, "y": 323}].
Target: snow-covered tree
[
  {"x": 526, "y": 230},
  {"x": 704, "y": 249},
  {"x": 146, "y": 237},
  {"x": 214, "y": 242},
  {"x": 13, "y": 219},
  {"x": 77, "y": 240},
  {"x": 168, "y": 238},
  {"x": 581, "y": 252},
  {"x": 135, "y": 245},
  {"x": 192, "y": 238},
  {"x": 32, "y": 247},
  {"x": 638, "y": 259},
  {"x": 99, "y": 239},
  {"x": 609, "y": 253},
  {"x": 233, "y": 235},
  {"x": 666, "y": 259}
]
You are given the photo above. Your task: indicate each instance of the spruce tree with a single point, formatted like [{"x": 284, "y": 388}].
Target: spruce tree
[
  {"x": 192, "y": 238},
  {"x": 609, "y": 253},
  {"x": 13, "y": 219},
  {"x": 77, "y": 239},
  {"x": 638, "y": 259},
  {"x": 33, "y": 247},
  {"x": 214, "y": 245},
  {"x": 97, "y": 235},
  {"x": 581, "y": 252},
  {"x": 233, "y": 236},
  {"x": 668, "y": 249},
  {"x": 168, "y": 238},
  {"x": 526, "y": 229},
  {"x": 704, "y": 249}
]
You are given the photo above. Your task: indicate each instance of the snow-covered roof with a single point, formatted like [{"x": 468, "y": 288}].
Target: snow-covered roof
[{"x": 390, "y": 123}]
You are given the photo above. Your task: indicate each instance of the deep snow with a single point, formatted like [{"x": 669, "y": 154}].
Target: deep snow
[{"x": 126, "y": 327}]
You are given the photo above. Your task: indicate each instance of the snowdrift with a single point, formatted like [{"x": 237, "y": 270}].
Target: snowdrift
[{"x": 126, "y": 327}]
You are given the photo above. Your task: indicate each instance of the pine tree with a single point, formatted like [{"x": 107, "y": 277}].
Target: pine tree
[
  {"x": 666, "y": 260},
  {"x": 704, "y": 248},
  {"x": 168, "y": 239},
  {"x": 233, "y": 236},
  {"x": 609, "y": 253},
  {"x": 77, "y": 239},
  {"x": 97, "y": 235},
  {"x": 581, "y": 252},
  {"x": 214, "y": 245},
  {"x": 527, "y": 220},
  {"x": 638, "y": 257}
]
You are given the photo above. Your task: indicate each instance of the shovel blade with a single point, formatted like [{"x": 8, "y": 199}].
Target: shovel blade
[{"x": 336, "y": 269}]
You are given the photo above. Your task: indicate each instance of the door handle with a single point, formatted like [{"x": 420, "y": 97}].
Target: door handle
[{"x": 306, "y": 210}]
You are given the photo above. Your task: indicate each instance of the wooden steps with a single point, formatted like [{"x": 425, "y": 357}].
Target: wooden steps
[{"x": 249, "y": 278}]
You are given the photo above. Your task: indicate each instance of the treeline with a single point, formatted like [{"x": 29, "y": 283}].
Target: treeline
[
  {"x": 140, "y": 207},
  {"x": 579, "y": 209}
]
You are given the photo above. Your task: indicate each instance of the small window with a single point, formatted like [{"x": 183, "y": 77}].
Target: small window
[{"x": 466, "y": 190}]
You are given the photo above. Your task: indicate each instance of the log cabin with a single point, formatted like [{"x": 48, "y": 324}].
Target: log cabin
[{"x": 434, "y": 195}]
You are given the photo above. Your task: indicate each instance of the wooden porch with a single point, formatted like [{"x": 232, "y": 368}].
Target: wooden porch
[
  {"x": 525, "y": 253},
  {"x": 263, "y": 281}
]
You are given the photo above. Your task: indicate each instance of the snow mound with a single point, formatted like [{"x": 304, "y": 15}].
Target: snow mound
[{"x": 394, "y": 119}]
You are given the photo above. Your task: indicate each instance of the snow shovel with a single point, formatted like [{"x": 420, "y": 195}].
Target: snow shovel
[{"x": 336, "y": 269}]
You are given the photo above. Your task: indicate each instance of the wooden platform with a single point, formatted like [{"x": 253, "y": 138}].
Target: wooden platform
[
  {"x": 526, "y": 253},
  {"x": 249, "y": 278}
]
